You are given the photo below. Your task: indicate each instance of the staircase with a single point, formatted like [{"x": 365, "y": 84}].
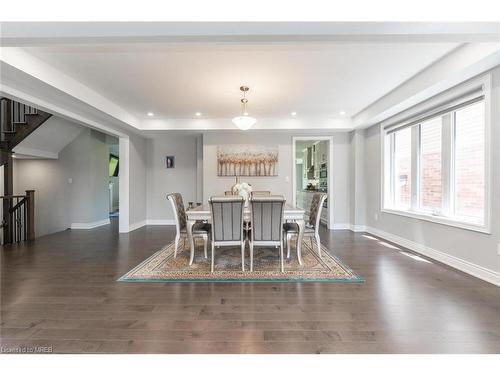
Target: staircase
[{"x": 17, "y": 121}]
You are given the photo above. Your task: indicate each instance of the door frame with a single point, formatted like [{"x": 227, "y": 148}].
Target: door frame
[{"x": 329, "y": 169}]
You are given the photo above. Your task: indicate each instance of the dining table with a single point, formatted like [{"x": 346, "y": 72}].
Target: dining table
[{"x": 202, "y": 213}]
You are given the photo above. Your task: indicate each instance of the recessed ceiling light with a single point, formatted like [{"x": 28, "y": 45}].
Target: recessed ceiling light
[
  {"x": 151, "y": 114},
  {"x": 342, "y": 113},
  {"x": 198, "y": 114},
  {"x": 293, "y": 113}
]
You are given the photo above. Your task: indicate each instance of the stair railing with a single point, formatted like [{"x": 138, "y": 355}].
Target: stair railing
[{"x": 18, "y": 221}]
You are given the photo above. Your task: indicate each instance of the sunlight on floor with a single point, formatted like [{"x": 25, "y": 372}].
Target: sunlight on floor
[
  {"x": 415, "y": 257},
  {"x": 388, "y": 245}
]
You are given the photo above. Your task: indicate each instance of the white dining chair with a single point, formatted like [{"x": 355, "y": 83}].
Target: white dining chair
[
  {"x": 200, "y": 229},
  {"x": 227, "y": 225},
  {"x": 266, "y": 219},
  {"x": 311, "y": 229}
]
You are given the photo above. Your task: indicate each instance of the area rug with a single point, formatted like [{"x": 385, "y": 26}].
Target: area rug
[{"x": 163, "y": 267}]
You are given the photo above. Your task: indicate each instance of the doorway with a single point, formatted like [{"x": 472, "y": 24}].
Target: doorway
[
  {"x": 114, "y": 177},
  {"x": 312, "y": 173}
]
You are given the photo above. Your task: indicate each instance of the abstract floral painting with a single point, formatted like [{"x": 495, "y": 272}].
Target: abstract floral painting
[{"x": 247, "y": 160}]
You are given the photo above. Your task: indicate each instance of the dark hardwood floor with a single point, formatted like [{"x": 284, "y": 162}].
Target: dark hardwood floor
[{"x": 61, "y": 292}]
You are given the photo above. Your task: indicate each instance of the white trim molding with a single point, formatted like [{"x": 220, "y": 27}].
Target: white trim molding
[
  {"x": 341, "y": 226},
  {"x": 161, "y": 222},
  {"x": 357, "y": 228},
  {"x": 143, "y": 223},
  {"x": 90, "y": 225},
  {"x": 35, "y": 153},
  {"x": 475, "y": 270},
  {"x": 328, "y": 138},
  {"x": 137, "y": 225}
]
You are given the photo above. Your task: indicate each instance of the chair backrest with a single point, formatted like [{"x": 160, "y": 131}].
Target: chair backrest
[
  {"x": 179, "y": 210},
  {"x": 261, "y": 193},
  {"x": 229, "y": 193},
  {"x": 315, "y": 210},
  {"x": 227, "y": 218},
  {"x": 267, "y": 218}
]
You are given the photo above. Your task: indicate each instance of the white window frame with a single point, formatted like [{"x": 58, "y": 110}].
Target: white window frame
[{"x": 483, "y": 82}]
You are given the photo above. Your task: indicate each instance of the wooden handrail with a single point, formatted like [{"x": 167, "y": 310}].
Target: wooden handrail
[
  {"x": 19, "y": 204},
  {"x": 18, "y": 223}
]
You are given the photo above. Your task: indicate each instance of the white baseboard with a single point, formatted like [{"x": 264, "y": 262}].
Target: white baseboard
[
  {"x": 137, "y": 225},
  {"x": 341, "y": 226},
  {"x": 161, "y": 222},
  {"x": 91, "y": 225},
  {"x": 143, "y": 223},
  {"x": 460, "y": 264},
  {"x": 357, "y": 228}
]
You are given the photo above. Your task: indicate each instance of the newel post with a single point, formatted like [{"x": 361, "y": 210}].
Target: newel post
[{"x": 30, "y": 194}]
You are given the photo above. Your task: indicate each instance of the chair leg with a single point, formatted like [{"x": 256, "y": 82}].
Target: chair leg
[
  {"x": 281, "y": 258},
  {"x": 176, "y": 243},
  {"x": 183, "y": 243},
  {"x": 299, "y": 255},
  {"x": 243, "y": 256},
  {"x": 318, "y": 243},
  {"x": 205, "y": 245},
  {"x": 213, "y": 257},
  {"x": 288, "y": 239},
  {"x": 251, "y": 256}
]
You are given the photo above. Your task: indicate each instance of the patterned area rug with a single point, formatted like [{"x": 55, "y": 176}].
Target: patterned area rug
[{"x": 163, "y": 267}]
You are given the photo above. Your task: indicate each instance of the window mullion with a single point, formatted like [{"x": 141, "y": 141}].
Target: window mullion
[
  {"x": 393, "y": 168},
  {"x": 415, "y": 167},
  {"x": 447, "y": 164}
]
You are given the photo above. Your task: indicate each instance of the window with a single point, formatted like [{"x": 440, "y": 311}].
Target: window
[
  {"x": 402, "y": 168},
  {"x": 431, "y": 193},
  {"x": 469, "y": 162},
  {"x": 435, "y": 165}
]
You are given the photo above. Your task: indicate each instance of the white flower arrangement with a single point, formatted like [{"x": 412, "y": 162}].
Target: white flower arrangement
[{"x": 243, "y": 189}]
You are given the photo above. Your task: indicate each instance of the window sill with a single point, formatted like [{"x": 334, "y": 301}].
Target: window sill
[{"x": 440, "y": 220}]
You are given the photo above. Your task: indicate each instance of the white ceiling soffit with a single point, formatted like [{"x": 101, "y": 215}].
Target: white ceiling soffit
[
  {"x": 33, "y": 33},
  {"x": 49, "y": 139},
  {"x": 460, "y": 65},
  {"x": 84, "y": 79},
  {"x": 319, "y": 82}
]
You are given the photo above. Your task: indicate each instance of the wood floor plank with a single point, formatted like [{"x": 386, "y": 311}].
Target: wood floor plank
[{"x": 60, "y": 292}]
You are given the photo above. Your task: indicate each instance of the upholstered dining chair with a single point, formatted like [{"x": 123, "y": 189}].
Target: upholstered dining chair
[
  {"x": 227, "y": 225},
  {"x": 311, "y": 229},
  {"x": 199, "y": 229},
  {"x": 266, "y": 220}
]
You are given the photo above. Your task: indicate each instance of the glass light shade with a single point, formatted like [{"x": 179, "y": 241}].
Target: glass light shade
[{"x": 244, "y": 122}]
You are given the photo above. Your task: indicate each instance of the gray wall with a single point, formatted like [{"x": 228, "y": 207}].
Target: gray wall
[
  {"x": 58, "y": 202},
  {"x": 214, "y": 185},
  {"x": 474, "y": 247},
  {"x": 137, "y": 179},
  {"x": 357, "y": 183},
  {"x": 85, "y": 160},
  {"x": 48, "y": 179},
  {"x": 161, "y": 181}
]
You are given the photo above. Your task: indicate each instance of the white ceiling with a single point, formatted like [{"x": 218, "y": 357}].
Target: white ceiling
[{"x": 175, "y": 80}]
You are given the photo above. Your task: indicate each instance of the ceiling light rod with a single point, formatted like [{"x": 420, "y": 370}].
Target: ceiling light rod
[{"x": 244, "y": 122}]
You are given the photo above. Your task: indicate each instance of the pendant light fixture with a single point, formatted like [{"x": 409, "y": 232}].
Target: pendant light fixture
[{"x": 244, "y": 122}]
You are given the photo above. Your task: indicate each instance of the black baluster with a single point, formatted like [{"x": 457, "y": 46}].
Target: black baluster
[{"x": 25, "y": 207}]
